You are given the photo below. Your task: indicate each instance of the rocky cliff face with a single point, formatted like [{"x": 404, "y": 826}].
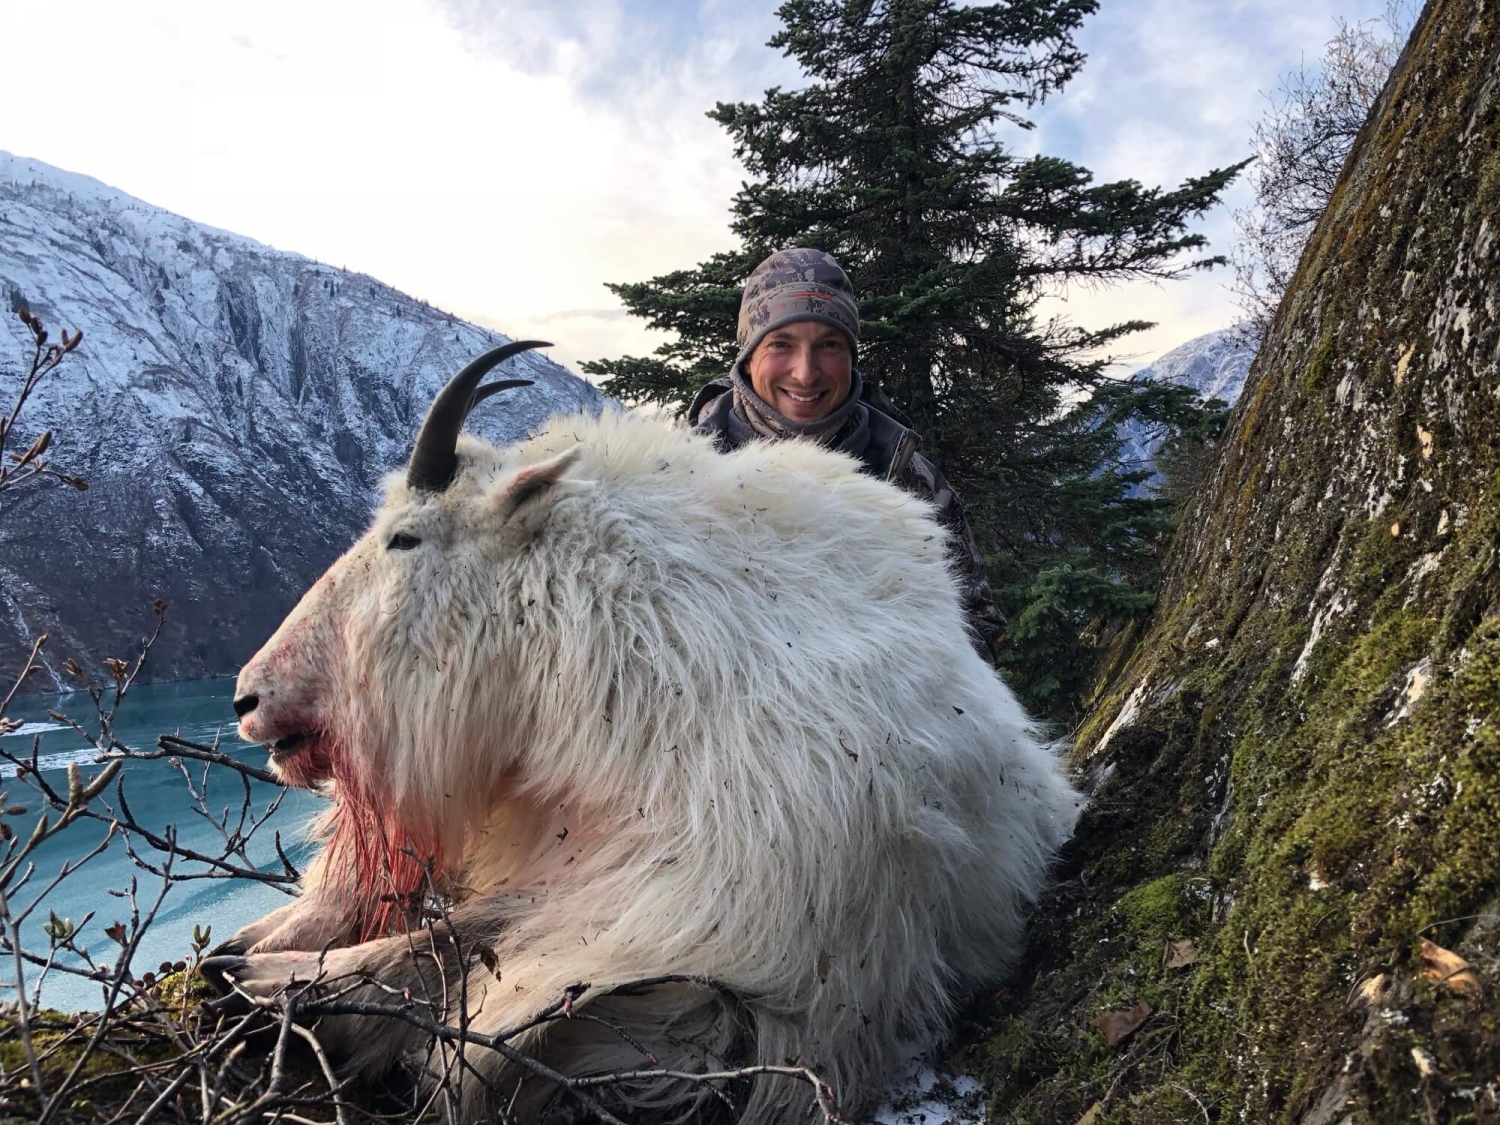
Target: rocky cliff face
[
  {"x": 1284, "y": 904},
  {"x": 232, "y": 407}
]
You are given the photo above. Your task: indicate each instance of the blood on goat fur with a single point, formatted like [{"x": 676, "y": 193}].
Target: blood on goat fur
[{"x": 384, "y": 863}]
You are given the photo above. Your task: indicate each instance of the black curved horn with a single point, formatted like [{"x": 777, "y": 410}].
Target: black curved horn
[
  {"x": 434, "y": 458},
  {"x": 488, "y": 389}
]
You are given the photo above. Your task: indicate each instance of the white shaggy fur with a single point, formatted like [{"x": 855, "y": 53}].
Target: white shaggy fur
[{"x": 674, "y": 712}]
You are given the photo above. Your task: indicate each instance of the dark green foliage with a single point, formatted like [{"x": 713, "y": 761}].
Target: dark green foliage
[
  {"x": 1057, "y": 605},
  {"x": 891, "y": 160},
  {"x": 1191, "y": 428}
]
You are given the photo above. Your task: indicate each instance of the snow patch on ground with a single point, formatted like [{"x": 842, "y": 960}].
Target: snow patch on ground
[
  {"x": 1126, "y": 716},
  {"x": 927, "y": 1093}
]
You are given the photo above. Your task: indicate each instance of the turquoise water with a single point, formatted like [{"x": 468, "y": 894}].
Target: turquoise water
[{"x": 158, "y": 796}]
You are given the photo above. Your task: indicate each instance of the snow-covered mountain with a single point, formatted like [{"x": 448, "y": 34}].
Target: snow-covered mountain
[
  {"x": 1215, "y": 365},
  {"x": 232, "y": 407}
]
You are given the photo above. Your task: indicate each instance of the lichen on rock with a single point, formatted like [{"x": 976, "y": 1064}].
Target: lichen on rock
[{"x": 1318, "y": 789}]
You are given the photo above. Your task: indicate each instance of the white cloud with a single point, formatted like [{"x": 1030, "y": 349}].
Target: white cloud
[
  {"x": 505, "y": 158},
  {"x": 1172, "y": 88},
  {"x": 383, "y": 137}
]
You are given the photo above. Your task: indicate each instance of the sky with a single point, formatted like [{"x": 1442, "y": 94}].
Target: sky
[{"x": 503, "y": 159}]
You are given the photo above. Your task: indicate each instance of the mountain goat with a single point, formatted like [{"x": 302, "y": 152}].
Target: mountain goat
[{"x": 634, "y": 709}]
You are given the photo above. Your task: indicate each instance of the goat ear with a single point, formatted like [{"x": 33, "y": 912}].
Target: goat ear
[{"x": 523, "y": 494}]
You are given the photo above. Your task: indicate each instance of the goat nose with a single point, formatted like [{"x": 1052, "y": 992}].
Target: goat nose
[{"x": 245, "y": 704}]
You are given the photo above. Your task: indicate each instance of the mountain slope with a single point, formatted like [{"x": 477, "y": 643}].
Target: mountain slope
[
  {"x": 232, "y": 407},
  {"x": 1215, "y": 364}
]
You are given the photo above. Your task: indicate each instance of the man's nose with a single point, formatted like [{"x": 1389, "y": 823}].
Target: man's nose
[{"x": 804, "y": 364}]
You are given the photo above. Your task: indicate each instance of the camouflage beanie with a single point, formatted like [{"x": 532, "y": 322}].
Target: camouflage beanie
[{"x": 792, "y": 285}]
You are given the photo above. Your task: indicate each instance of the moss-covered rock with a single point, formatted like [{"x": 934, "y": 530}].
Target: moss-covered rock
[
  {"x": 1297, "y": 761},
  {"x": 154, "y": 1036},
  {"x": 104, "y": 1081}
]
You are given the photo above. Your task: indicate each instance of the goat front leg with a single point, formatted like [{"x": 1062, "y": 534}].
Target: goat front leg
[
  {"x": 311, "y": 922},
  {"x": 418, "y": 975},
  {"x": 314, "y": 921},
  {"x": 319, "y": 917}
]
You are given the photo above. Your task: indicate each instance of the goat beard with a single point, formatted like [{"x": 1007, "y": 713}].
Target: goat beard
[{"x": 387, "y": 864}]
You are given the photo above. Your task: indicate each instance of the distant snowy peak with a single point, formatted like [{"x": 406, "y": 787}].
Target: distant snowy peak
[
  {"x": 1215, "y": 364},
  {"x": 24, "y": 173},
  {"x": 233, "y": 408},
  {"x": 187, "y": 321}
]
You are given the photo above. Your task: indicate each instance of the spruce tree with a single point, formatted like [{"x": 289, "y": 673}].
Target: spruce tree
[{"x": 892, "y": 159}]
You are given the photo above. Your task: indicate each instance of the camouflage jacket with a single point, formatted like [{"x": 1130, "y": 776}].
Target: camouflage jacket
[{"x": 891, "y": 453}]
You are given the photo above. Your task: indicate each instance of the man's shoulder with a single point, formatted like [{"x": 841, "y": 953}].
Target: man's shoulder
[
  {"x": 710, "y": 415},
  {"x": 921, "y": 477},
  {"x": 895, "y": 445},
  {"x": 709, "y": 396},
  {"x": 924, "y": 477}
]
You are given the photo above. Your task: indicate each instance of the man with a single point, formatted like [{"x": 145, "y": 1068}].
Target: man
[{"x": 795, "y": 377}]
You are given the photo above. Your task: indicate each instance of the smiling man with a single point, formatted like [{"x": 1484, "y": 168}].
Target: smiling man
[{"x": 795, "y": 377}]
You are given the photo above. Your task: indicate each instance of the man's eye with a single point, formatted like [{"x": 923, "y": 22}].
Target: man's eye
[{"x": 402, "y": 542}]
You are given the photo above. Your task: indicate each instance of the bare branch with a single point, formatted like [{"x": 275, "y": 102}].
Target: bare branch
[{"x": 1302, "y": 142}]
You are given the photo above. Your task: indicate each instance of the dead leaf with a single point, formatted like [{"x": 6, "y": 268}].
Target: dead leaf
[
  {"x": 1180, "y": 954},
  {"x": 1372, "y": 992},
  {"x": 1091, "y": 1114},
  {"x": 1444, "y": 967},
  {"x": 490, "y": 959},
  {"x": 1119, "y": 1026},
  {"x": 1426, "y": 1064},
  {"x": 823, "y": 965}
]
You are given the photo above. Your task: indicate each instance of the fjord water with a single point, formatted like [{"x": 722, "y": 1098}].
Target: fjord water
[{"x": 158, "y": 796}]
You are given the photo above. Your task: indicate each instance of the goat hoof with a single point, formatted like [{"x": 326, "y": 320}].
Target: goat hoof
[
  {"x": 228, "y": 947},
  {"x": 218, "y": 971},
  {"x": 230, "y": 1007}
]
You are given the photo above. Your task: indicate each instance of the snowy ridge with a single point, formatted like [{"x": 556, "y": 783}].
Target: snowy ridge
[
  {"x": 1215, "y": 365},
  {"x": 233, "y": 408},
  {"x": 23, "y": 172}
]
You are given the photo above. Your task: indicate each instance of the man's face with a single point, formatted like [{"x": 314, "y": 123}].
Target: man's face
[{"x": 802, "y": 370}]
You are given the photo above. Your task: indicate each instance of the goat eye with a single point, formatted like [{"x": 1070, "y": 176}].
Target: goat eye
[{"x": 402, "y": 542}]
